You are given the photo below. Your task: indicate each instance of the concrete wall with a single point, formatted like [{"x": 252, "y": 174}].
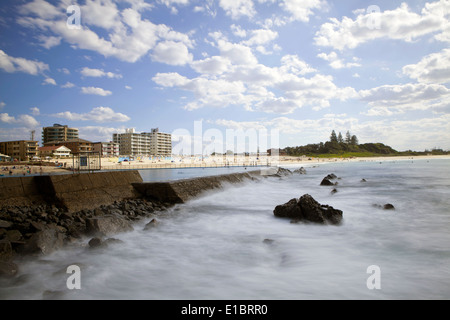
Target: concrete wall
[
  {"x": 76, "y": 192},
  {"x": 73, "y": 192},
  {"x": 183, "y": 190}
]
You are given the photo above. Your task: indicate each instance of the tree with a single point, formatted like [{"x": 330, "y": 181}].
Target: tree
[
  {"x": 354, "y": 140},
  {"x": 333, "y": 137},
  {"x": 339, "y": 138},
  {"x": 348, "y": 138}
]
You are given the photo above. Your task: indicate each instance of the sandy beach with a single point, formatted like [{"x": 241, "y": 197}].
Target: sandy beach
[{"x": 194, "y": 162}]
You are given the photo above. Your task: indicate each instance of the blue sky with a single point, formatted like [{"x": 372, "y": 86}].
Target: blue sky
[{"x": 380, "y": 69}]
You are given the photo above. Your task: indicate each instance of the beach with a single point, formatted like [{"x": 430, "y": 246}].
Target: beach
[{"x": 65, "y": 165}]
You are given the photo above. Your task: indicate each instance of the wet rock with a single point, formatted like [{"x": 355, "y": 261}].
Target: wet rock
[
  {"x": 8, "y": 269},
  {"x": 331, "y": 176},
  {"x": 308, "y": 209},
  {"x": 363, "y": 180},
  {"x": 327, "y": 182},
  {"x": 6, "y": 251},
  {"x": 44, "y": 242},
  {"x": 388, "y": 206},
  {"x": 95, "y": 243},
  {"x": 334, "y": 191},
  {"x": 300, "y": 171},
  {"x": 268, "y": 241},
  {"x": 5, "y": 224},
  {"x": 282, "y": 172},
  {"x": 152, "y": 224},
  {"x": 14, "y": 236},
  {"x": 107, "y": 225}
]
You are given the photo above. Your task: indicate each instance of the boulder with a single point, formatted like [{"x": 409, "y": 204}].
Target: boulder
[
  {"x": 300, "y": 171},
  {"x": 327, "y": 182},
  {"x": 308, "y": 209},
  {"x": 282, "y": 172},
  {"x": 44, "y": 242},
  {"x": 6, "y": 251},
  {"x": 388, "y": 206},
  {"x": 8, "y": 269},
  {"x": 151, "y": 224},
  {"x": 331, "y": 176},
  {"x": 334, "y": 191},
  {"x": 5, "y": 224},
  {"x": 107, "y": 225}
]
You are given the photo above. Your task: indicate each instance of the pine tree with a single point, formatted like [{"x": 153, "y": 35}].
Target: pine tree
[
  {"x": 348, "y": 138},
  {"x": 333, "y": 137},
  {"x": 354, "y": 140},
  {"x": 339, "y": 138}
]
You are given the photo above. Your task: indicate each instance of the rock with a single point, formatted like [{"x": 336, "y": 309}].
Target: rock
[
  {"x": 327, "y": 182},
  {"x": 37, "y": 226},
  {"x": 65, "y": 216},
  {"x": 331, "y": 176},
  {"x": 151, "y": 224},
  {"x": 5, "y": 224},
  {"x": 334, "y": 191},
  {"x": 95, "y": 243},
  {"x": 282, "y": 172},
  {"x": 6, "y": 251},
  {"x": 99, "y": 243},
  {"x": 291, "y": 209},
  {"x": 44, "y": 242},
  {"x": 388, "y": 206},
  {"x": 363, "y": 180},
  {"x": 300, "y": 171},
  {"x": 8, "y": 269},
  {"x": 14, "y": 236},
  {"x": 308, "y": 209},
  {"x": 107, "y": 225},
  {"x": 268, "y": 241}
]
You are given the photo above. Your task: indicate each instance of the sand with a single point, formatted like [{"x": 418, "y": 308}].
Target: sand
[{"x": 189, "y": 162}]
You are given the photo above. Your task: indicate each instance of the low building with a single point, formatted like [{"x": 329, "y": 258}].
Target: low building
[
  {"x": 107, "y": 149},
  {"x": 58, "y": 152},
  {"x": 75, "y": 145},
  {"x": 22, "y": 150}
]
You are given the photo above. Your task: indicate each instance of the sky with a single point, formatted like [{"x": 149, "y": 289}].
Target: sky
[{"x": 295, "y": 68}]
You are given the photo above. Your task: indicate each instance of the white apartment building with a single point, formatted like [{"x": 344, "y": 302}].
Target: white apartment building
[{"x": 152, "y": 143}]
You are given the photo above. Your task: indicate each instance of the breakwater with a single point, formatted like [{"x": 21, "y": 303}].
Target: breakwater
[{"x": 41, "y": 214}]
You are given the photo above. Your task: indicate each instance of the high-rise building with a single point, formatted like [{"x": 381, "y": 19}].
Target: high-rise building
[
  {"x": 58, "y": 133},
  {"x": 160, "y": 143},
  {"x": 146, "y": 143},
  {"x": 23, "y": 150}
]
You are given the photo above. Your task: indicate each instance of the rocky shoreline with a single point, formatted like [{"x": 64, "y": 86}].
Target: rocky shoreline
[{"x": 43, "y": 229}]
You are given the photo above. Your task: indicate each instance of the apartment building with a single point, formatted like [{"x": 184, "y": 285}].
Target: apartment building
[
  {"x": 160, "y": 143},
  {"x": 22, "y": 150},
  {"x": 58, "y": 133},
  {"x": 107, "y": 149},
  {"x": 146, "y": 143}
]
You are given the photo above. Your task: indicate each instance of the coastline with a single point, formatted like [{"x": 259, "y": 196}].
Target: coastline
[{"x": 210, "y": 162}]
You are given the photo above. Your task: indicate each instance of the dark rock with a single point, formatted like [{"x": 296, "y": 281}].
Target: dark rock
[
  {"x": 44, "y": 242},
  {"x": 327, "y": 182},
  {"x": 6, "y": 251},
  {"x": 37, "y": 226},
  {"x": 291, "y": 209},
  {"x": 14, "y": 236},
  {"x": 268, "y": 241},
  {"x": 331, "y": 176},
  {"x": 308, "y": 209},
  {"x": 334, "y": 191},
  {"x": 151, "y": 224},
  {"x": 388, "y": 206},
  {"x": 65, "y": 216},
  {"x": 363, "y": 180},
  {"x": 300, "y": 171},
  {"x": 282, "y": 172},
  {"x": 8, "y": 269},
  {"x": 95, "y": 243},
  {"x": 107, "y": 225},
  {"x": 5, "y": 224}
]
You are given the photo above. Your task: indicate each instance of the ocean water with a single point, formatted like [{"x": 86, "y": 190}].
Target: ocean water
[{"x": 213, "y": 247}]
